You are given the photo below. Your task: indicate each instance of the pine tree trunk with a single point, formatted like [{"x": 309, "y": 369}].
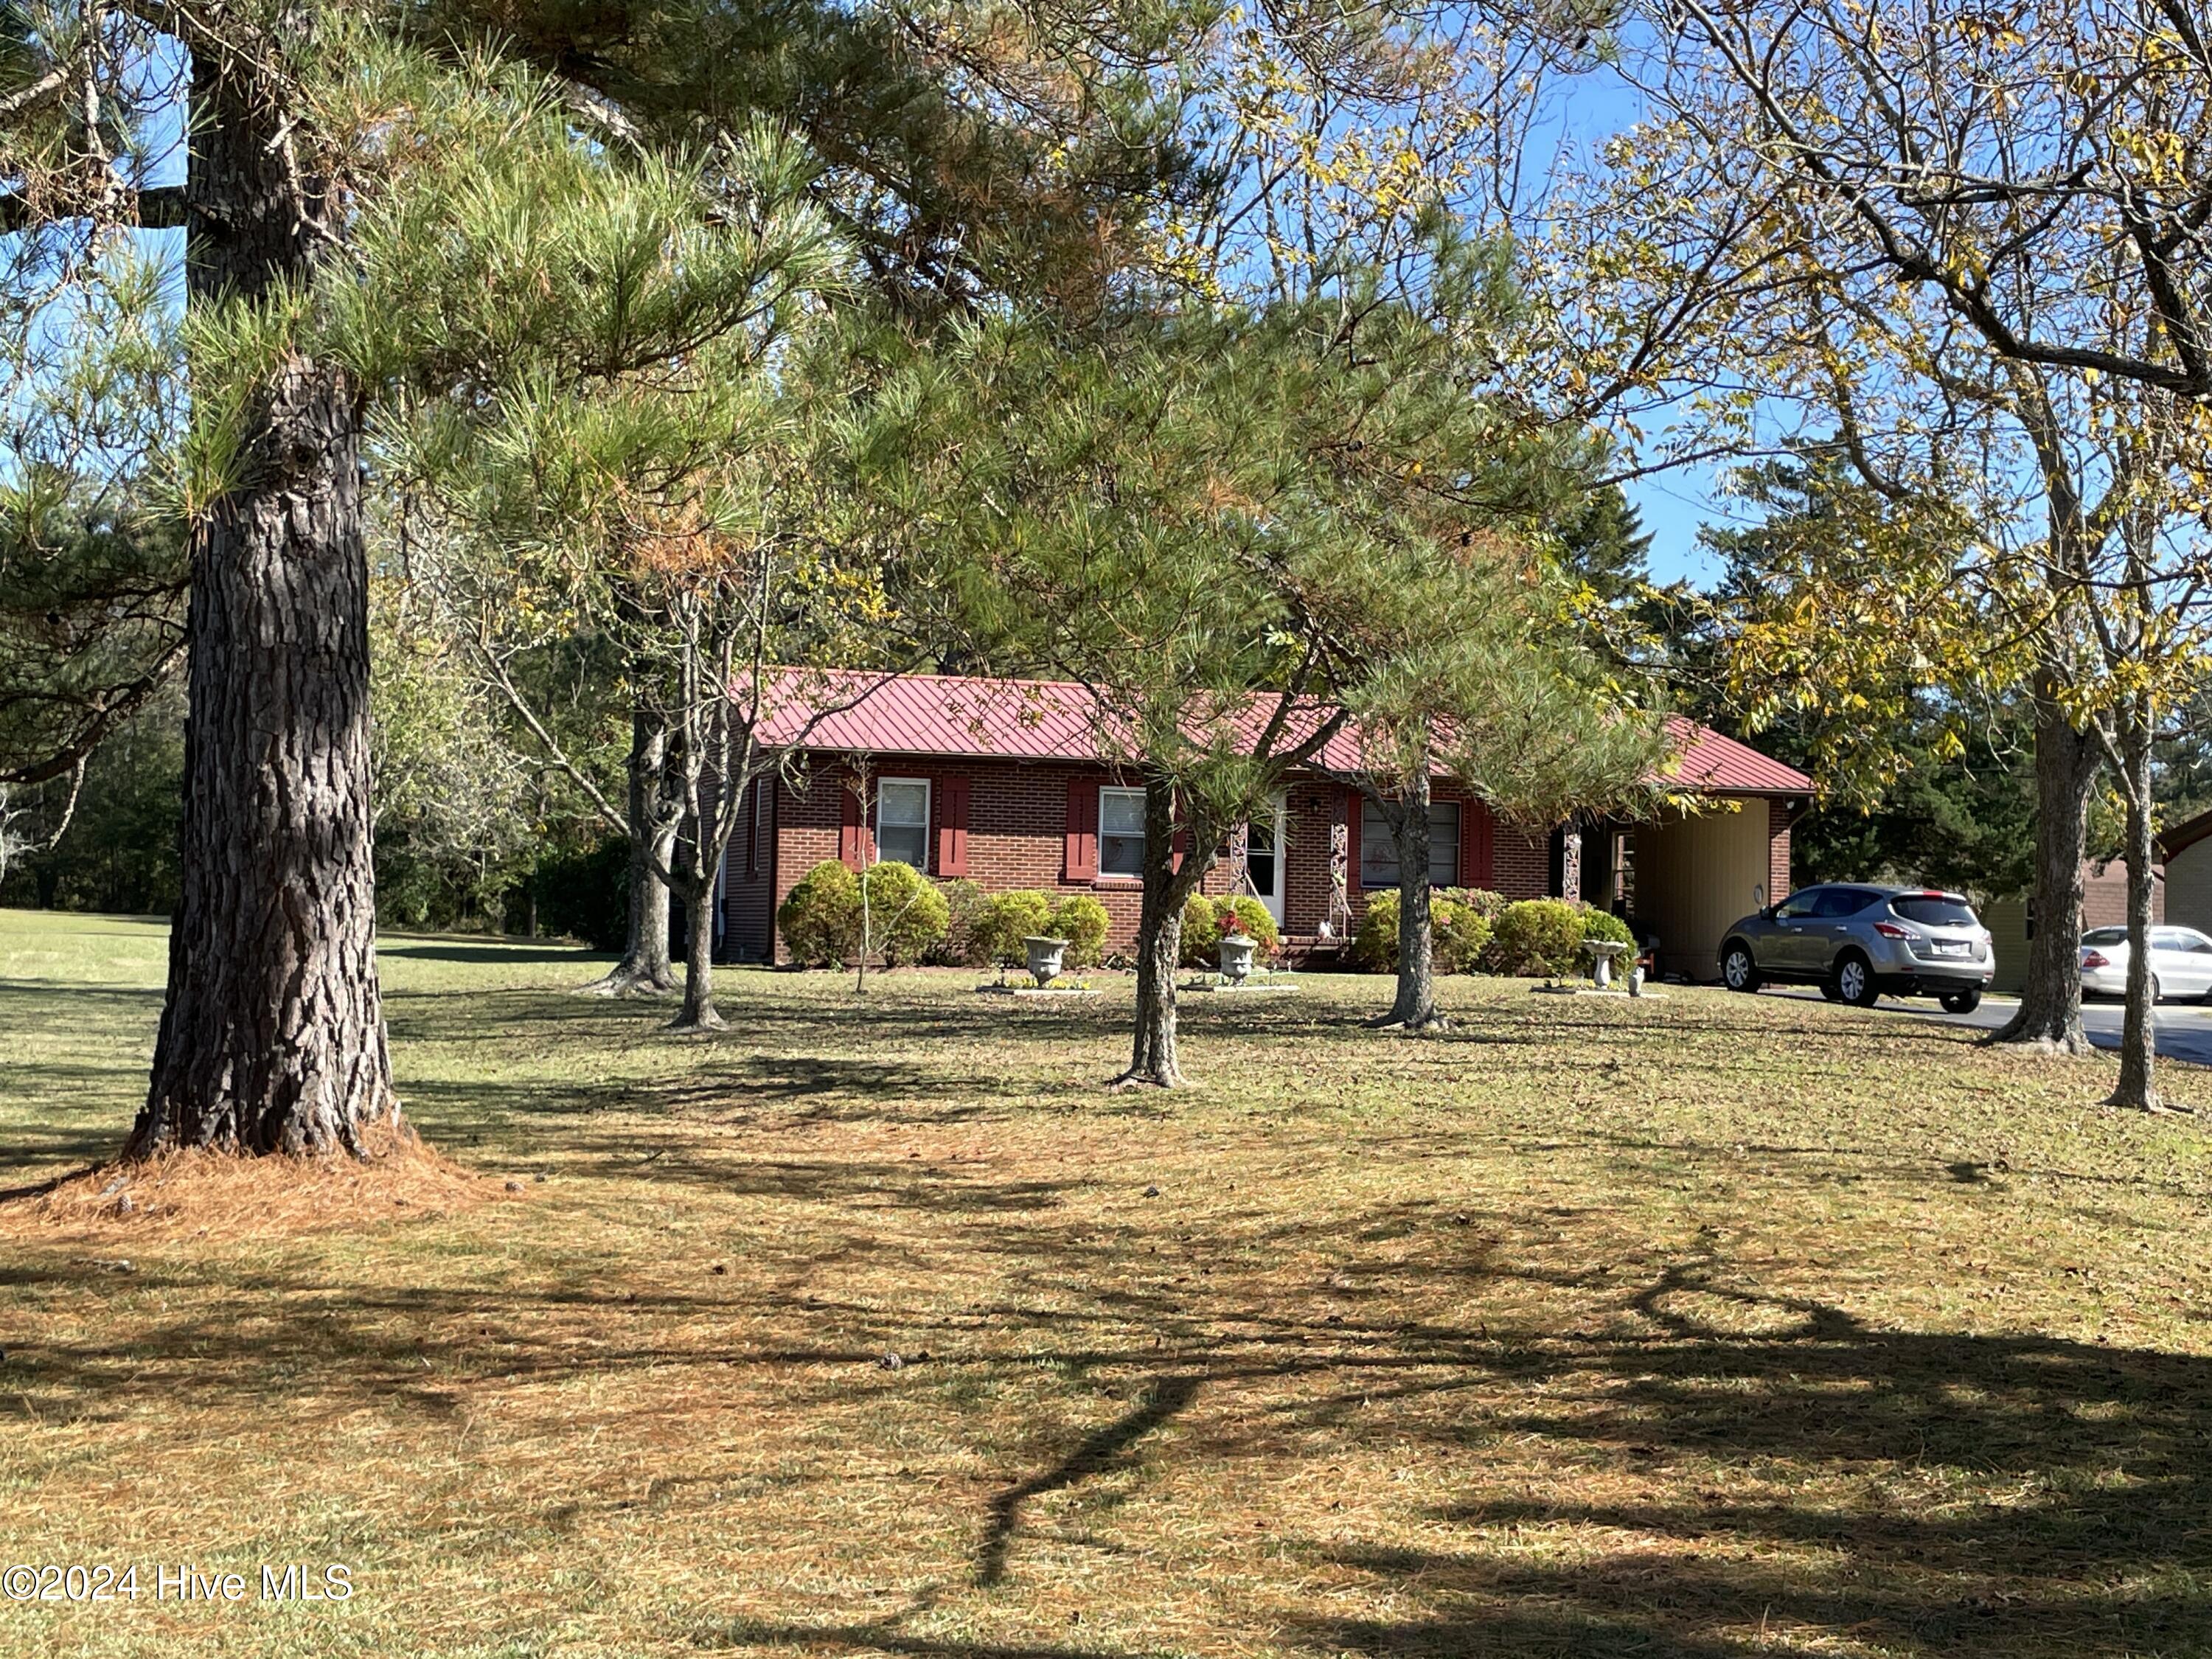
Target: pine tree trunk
[
  {"x": 1153, "y": 1057},
  {"x": 272, "y": 1033},
  {"x": 644, "y": 968},
  {"x": 2138, "y": 1087},
  {"x": 1415, "y": 1007},
  {"x": 2066, "y": 761}
]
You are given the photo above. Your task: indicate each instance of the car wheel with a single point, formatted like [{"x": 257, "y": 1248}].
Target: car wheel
[
  {"x": 1739, "y": 969},
  {"x": 1962, "y": 1002},
  {"x": 2154, "y": 990},
  {"x": 1855, "y": 982},
  {"x": 1828, "y": 990}
]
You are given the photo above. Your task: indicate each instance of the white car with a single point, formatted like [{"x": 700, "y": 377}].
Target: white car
[{"x": 2180, "y": 962}]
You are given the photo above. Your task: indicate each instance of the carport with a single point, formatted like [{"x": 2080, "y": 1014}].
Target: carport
[{"x": 1695, "y": 873}]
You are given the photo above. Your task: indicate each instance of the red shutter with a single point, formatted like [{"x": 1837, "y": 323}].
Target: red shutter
[
  {"x": 852, "y": 832},
  {"x": 1082, "y": 829},
  {"x": 952, "y": 826},
  {"x": 1474, "y": 844},
  {"x": 1352, "y": 801}
]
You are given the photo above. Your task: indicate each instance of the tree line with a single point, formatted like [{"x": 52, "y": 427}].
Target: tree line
[{"x": 564, "y": 379}]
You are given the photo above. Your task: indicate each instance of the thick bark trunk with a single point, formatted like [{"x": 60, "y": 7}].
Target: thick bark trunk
[
  {"x": 272, "y": 1034},
  {"x": 644, "y": 968},
  {"x": 1153, "y": 1056},
  {"x": 1415, "y": 1007},
  {"x": 698, "y": 1012},
  {"x": 2066, "y": 760},
  {"x": 2137, "y": 1086}
]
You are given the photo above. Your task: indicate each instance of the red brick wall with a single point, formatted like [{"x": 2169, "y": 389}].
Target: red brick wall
[
  {"x": 1016, "y": 837},
  {"x": 1521, "y": 866},
  {"x": 1778, "y": 883},
  {"x": 1018, "y": 816}
]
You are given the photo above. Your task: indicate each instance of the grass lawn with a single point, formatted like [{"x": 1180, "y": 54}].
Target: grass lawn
[{"x": 1695, "y": 1327}]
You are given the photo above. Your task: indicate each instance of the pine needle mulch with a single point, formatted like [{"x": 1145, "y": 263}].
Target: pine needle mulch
[
  {"x": 216, "y": 1200},
  {"x": 1702, "y": 1328}
]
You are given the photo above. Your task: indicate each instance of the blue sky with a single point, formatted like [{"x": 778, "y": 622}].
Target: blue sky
[
  {"x": 1587, "y": 109},
  {"x": 1674, "y": 506}
]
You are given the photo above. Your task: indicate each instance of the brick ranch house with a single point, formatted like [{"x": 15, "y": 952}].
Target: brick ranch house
[{"x": 1003, "y": 782}]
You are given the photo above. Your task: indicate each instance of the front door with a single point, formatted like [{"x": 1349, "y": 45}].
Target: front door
[{"x": 1264, "y": 861}]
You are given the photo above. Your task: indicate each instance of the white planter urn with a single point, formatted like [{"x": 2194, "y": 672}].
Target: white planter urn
[
  {"x": 1044, "y": 956},
  {"x": 1237, "y": 953}
]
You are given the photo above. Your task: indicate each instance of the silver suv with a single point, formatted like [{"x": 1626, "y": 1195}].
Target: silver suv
[{"x": 1857, "y": 943}]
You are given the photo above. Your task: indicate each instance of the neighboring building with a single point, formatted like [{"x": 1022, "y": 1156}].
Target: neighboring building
[
  {"x": 1004, "y": 783},
  {"x": 2186, "y": 849},
  {"x": 2011, "y": 922}
]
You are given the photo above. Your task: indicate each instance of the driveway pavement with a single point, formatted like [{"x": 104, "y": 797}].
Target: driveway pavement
[{"x": 2184, "y": 1029}]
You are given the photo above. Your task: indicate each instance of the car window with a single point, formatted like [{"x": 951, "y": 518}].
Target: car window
[
  {"x": 1841, "y": 902},
  {"x": 1798, "y": 906},
  {"x": 1936, "y": 912},
  {"x": 2180, "y": 939},
  {"x": 2106, "y": 936}
]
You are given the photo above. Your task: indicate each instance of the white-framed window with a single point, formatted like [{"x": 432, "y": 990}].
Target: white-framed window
[
  {"x": 902, "y": 822},
  {"x": 1121, "y": 832},
  {"x": 1378, "y": 847}
]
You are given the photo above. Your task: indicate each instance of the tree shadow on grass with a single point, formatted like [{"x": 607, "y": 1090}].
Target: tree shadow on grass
[
  {"x": 1098, "y": 1452},
  {"x": 489, "y": 954},
  {"x": 1726, "y": 1491}
]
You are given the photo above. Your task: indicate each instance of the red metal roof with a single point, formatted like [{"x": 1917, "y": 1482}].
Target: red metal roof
[
  {"x": 1720, "y": 766},
  {"x": 971, "y": 717}
]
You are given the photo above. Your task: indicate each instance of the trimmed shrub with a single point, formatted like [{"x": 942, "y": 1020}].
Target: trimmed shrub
[
  {"x": 820, "y": 920},
  {"x": 1603, "y": 924},
  {"x": 1375, "y": 942},
  {"x": 1081, "y": 920},
  {"x": 1537, "y": 936},
  {"x": 1480, "y": 900},
  {"x": 1459, "y": 930},
  {"x": 1006, "y": 919},
  {"x": 963, "y": 907},
  {"x": 905, "y": 914},
  {"x": 1206, "y": 918}
]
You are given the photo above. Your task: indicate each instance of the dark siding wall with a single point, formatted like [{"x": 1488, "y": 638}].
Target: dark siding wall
[{"x": 749, "y": 880}]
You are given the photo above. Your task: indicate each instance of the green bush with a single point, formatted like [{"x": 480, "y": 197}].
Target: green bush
[
  {"x": 820, "y": 920},
  {"x": 1537, "y": 936},
  {"x": 1081, "y": 920},
  {"x": 963, "y": 905},
  {"x": 1006, "y": 919},
  {"x": 1459, "y": 930},
  {"x": 1604, "y": 925},
  {"x": 583, "y": 892},
  {"x": 1206, "y": 918},
  {"x": 905, "y": 915}
]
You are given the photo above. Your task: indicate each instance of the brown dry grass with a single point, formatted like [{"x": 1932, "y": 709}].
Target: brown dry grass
[{"x": 1704, "y": 1328}]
